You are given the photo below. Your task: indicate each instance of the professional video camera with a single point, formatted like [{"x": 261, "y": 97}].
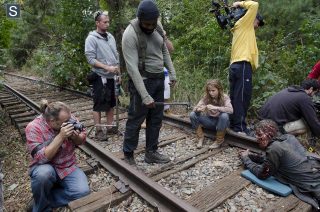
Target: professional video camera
[
  {"x": 226, "y": 15},
  {"x": 76, "y": 125}
]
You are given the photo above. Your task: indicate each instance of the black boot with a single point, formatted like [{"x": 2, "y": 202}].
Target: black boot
[
  {"x": 155, "y": 157},
  {"x": 129, "y": 159}
]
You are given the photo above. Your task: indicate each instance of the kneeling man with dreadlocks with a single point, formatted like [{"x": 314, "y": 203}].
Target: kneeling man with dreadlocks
[{"x": 287, "y": 160}]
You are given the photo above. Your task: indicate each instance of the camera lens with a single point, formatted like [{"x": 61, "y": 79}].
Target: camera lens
[{"x": 76, "y": 125}]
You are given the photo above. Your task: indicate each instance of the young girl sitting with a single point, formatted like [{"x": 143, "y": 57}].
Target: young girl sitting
[{"x": 212, "y": 112}]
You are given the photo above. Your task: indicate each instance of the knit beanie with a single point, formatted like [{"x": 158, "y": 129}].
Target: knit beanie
[{"x": 147, "y": 10}]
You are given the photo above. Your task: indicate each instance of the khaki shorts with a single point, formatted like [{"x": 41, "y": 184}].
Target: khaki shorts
[{"x": 296, "y": 127}]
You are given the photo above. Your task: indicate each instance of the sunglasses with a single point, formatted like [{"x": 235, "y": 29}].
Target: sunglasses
[{"x": 99, "y": 13}]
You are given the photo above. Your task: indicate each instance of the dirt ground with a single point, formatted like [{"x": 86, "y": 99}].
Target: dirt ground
[{"x": 16, "y": 182}]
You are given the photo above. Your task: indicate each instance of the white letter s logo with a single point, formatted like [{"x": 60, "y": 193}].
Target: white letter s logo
[{"x": 13, "y": 11}]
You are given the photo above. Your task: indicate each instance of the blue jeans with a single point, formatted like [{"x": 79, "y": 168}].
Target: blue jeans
[
  {"x": 49, "y": 191},
  {"x": 240, "y": 80},
  {"x": 219, "y": 123},
  {"x": 138, "y": 112}
]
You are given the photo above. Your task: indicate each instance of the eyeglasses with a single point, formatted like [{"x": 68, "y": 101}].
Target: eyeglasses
[{"x": 99, "y": 13}]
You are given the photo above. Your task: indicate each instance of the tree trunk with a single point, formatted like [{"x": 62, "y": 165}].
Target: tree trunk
[{"x": 116, "y": 11}]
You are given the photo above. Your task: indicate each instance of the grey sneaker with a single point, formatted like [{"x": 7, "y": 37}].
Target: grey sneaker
[
  {"x": 156, "y": 157},
  {"x": 101, "y": 136},
  {"x": 129, "y": 159},
  {"x": 112, "y": 130}
]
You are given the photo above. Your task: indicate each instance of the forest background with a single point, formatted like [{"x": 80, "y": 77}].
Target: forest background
[{"x": 48, "y": 40}]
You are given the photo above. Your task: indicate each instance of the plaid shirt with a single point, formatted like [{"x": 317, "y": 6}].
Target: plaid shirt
[{"x": 38, "y": 132}]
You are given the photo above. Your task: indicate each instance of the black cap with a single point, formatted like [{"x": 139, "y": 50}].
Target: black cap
[
  {"x": 147, "y": 10},
  {"x": 260, "y": 19}
]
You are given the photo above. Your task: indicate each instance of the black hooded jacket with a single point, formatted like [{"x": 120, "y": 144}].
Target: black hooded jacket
[{"x": 291, "y": 104}]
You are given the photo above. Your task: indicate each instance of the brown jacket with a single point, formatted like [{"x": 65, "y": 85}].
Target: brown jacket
[{"x": 226, "y": 108}]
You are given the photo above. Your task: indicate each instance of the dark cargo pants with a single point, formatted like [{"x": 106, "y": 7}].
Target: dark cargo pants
[
  {"x": 240, "y": 79},
  {"x": 138, "y": 112}
]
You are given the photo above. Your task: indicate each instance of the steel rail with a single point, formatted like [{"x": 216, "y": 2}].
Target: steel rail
[
  {"x": 149, "y": 190},
  {"x": 47, "y": 83},
  {"x": 231, "y": 138},
  {"x": 34, "y": 106}
]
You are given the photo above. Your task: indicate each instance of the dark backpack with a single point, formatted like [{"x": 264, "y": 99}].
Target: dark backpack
[
  {"x": 143, "y": 47},
  {"x": 91, "y": 77}
]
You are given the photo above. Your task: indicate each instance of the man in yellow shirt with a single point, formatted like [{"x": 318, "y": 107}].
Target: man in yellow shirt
[{"x": 244, "y": 59}]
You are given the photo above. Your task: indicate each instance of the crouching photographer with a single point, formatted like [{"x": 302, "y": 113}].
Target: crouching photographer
[
  {"x": 51, "y": 141},
  {"x": 244, "y": 59}
]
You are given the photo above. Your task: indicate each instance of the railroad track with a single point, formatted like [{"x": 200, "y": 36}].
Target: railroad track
[{"x": 154, "y": 183}]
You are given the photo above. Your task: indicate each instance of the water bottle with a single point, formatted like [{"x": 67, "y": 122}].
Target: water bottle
[{"x": 117, "y": 86}]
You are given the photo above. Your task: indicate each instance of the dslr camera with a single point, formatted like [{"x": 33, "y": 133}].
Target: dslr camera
[
  {"x": 76, "y": 125},
  {"x": 226, "y": 15}
]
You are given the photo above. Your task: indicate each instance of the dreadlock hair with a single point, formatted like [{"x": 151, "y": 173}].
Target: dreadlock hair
[
  {"x": 219, "y": 101},
  {"x": 267, "y": 126},
  {"x": 52, "y": 110}
]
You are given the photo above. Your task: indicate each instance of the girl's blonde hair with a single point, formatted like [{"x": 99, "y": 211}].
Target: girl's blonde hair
[
  {"x": 219, "y": 101},
  {"x": 52, "y": 110}
]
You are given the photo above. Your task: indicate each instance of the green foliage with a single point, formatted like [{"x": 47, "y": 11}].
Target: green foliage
[
  {"x": 44, "y": 60},
  {"x": 265, "y": 84},
  {"x": 285, "y": 15},
  {"x": 288, "y": 47},
  {"x": 5, "y": 35},
  {"x": 71, "y": 28},
  {"x": 286, "y": 57},
  {"x": 62, "y": 58},
  {"x": 121, "y": 12},
  {"x": 200, "y": 46},
  {"x": 5, "y": 26},
  {"x": 51, "y": 39},
  {"x": 30, "y": 30}
]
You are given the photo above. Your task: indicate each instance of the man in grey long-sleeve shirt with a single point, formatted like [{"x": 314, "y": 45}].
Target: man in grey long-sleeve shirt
[
  {"x": 145, "y": 54},
  {"x": 102, "y": 55}
]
